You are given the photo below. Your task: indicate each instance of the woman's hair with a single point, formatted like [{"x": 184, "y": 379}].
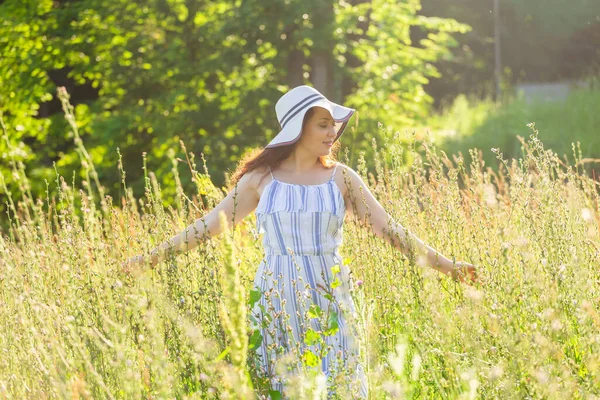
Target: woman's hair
[{"x": 273, "y": 157}]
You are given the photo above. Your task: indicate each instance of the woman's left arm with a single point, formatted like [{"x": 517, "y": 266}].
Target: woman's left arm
[{"x": 370, "y": 212}]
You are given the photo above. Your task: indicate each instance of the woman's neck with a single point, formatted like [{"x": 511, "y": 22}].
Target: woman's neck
[{"x": 300, "y": 162}]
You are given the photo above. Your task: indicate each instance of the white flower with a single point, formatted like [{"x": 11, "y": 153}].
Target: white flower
[{"x": 587, "y": 215}]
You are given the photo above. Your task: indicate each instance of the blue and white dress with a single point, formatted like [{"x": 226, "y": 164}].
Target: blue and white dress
[{"x": 302, "y": 226}]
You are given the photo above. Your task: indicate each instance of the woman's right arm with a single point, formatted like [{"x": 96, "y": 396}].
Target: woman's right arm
[{"x": 238, "y": 203}]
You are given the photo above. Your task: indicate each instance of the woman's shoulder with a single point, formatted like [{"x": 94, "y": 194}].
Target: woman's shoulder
[
  {"x": 345, "y": 171},
  {"x": 256, "y": 176},
  {"x": 341, "y": 167}
]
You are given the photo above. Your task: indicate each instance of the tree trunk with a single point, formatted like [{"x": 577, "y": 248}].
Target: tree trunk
[
  {"x": 322, "y": 72},
  {"x": 321, "y": 61},
  {"x": 295, "y": 64},
  {"x": 348, "y": 84}
]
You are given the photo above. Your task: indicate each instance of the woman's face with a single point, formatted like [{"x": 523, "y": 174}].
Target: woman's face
[{"x": 318, "y": 133}]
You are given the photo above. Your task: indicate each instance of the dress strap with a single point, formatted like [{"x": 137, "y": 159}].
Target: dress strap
[{"x": 333, "y": 174}]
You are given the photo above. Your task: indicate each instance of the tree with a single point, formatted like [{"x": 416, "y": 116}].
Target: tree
[
  {"x": 207, "y": 73},
  {"x": 536, "y": 37}
]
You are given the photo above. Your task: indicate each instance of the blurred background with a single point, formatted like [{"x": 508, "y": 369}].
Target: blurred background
[{"x": 145, "y": 75}]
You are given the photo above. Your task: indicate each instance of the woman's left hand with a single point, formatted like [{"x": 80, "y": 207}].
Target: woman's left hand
[{"x": 132, "y": 265}]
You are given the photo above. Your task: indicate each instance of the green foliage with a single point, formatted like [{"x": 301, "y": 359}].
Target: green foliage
[
  {"x": 484, "y": 125},
  {"x": 393, "y": 69},
  {"x": 540, "y": 41},
  {"x": 203, "y": 72},
  {"x": 26, "y": 53}
]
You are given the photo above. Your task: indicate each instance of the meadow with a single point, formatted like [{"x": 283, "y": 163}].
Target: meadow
[
  {"x": 73, "y": 325},
  {"x": 482, "y": 123}
]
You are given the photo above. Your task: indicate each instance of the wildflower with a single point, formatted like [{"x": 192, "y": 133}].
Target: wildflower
[
  {"x": 587, "y": 215},
  {"x": 474, "y": 294},
  {"x": 359, "y": 283},
  {"x": 496, "y": 372}
]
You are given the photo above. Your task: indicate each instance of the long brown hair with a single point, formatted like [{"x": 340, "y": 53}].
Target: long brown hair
[{"x": 273, "y": 157}]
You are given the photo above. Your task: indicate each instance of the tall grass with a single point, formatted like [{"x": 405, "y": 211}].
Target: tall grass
[
  {"x": 482, "y": 124},
  {"x": 73, "y": 325}
]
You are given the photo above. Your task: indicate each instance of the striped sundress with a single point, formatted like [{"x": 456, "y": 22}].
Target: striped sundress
[{"x": 297, "y": 278}]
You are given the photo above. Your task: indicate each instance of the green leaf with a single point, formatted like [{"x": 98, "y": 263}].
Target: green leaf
[
  {"x": 200, "y": 19},
  {"x": 333, "y": 325},
  {"x": 311, "y": 337},
  {"x": 314, "y": 311},
  {"x": 336, "y": 282},
  {"x": 255, "y": 340},
  {"x": 310, "y": 359},
  {"x": 335, "y": 269},
  {"x": 254, "y": 297}
]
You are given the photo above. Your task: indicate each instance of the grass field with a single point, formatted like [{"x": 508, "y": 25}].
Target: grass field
[
  {"x": 482, "y": 124},
  {"x": 73, "y": 325}
]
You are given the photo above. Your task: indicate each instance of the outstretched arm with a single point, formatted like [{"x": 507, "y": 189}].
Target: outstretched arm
[
  {"x": 238, "y": 203},
  {"x": 369, "y": 211}
]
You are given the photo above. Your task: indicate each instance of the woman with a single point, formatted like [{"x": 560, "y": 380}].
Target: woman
[{"x": 301, "y": 195}]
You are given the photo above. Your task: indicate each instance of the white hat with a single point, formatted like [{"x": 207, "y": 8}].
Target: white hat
[{"x": 292, "y": 106}]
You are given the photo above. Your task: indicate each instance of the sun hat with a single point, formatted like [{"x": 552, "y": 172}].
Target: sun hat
[{"x": 292, "y": 107}]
